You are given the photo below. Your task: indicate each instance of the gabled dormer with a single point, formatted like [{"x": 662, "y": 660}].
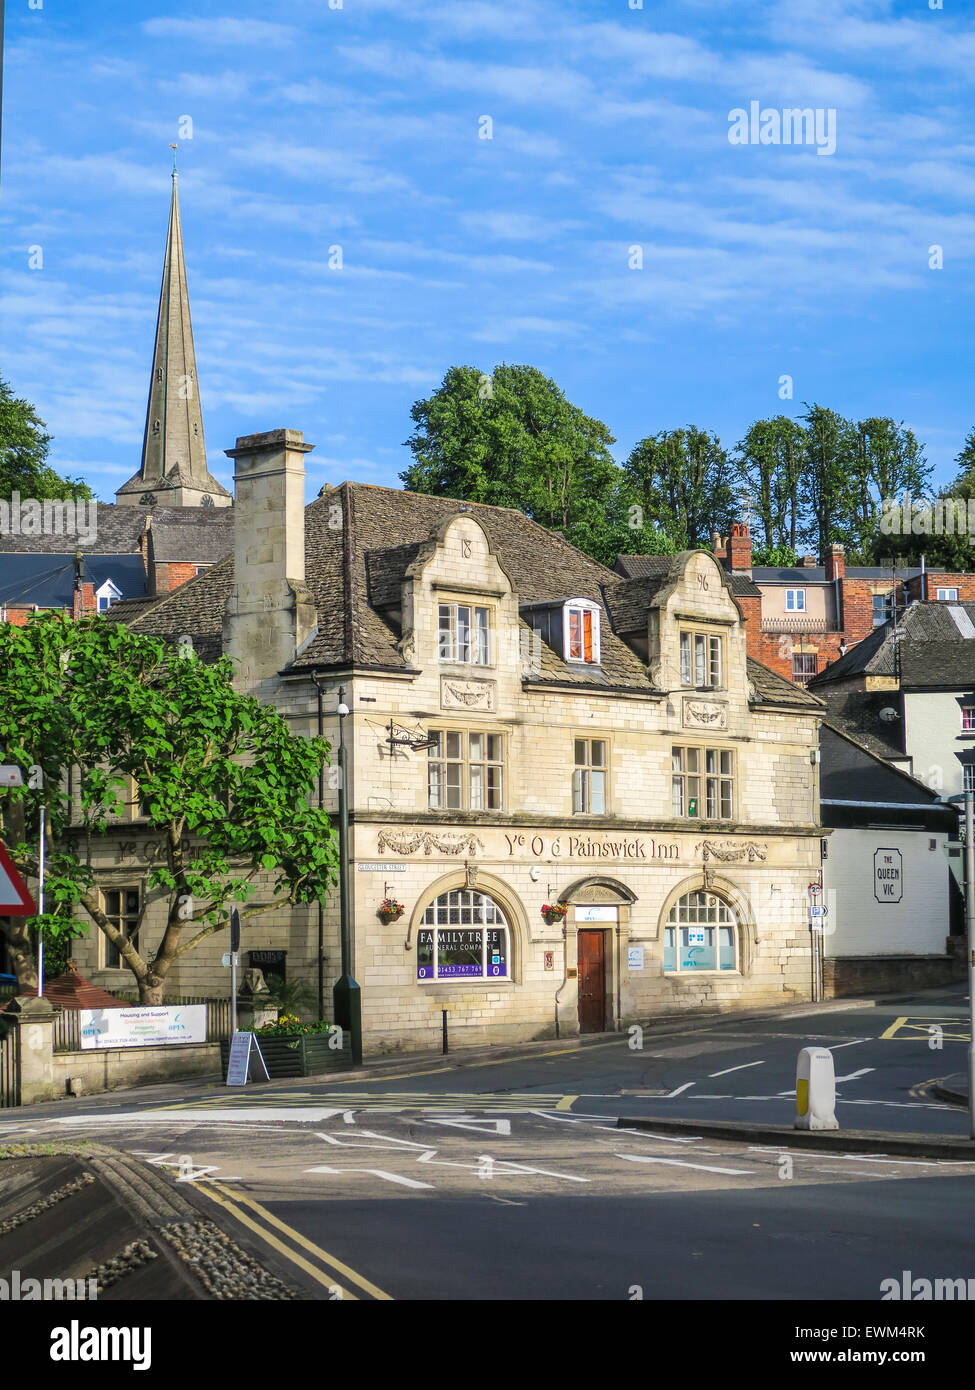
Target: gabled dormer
[{"x": 572, "y": 627}]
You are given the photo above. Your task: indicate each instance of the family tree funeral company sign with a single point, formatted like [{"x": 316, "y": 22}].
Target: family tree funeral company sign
[{"x": 888, "y": 875}]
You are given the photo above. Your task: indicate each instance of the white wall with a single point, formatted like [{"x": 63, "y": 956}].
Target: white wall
[
  {"x": 859, "y": 925},
  {"x": 933, "y": 727}
]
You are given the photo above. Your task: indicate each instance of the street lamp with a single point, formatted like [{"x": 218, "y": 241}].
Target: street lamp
[
  {"x": 346, "y": 995},
  {"x": 968, "y": 797}
]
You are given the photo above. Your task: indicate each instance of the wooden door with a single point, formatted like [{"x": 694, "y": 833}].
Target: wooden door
[{"x": 592, "y": 982}]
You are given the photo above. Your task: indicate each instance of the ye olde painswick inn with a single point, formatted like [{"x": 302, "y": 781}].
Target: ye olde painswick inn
[{"x": 525, "y": 728}]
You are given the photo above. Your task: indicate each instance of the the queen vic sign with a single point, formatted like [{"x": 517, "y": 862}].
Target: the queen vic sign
[{"x": 888, "y": 875}]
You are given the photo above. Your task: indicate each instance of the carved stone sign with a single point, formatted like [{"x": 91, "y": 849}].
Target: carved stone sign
[
  {"x": 456, "y": 693},
  {"x": 731, "y": 851},
  {"x": 705, "y": 714},
  {"x": 428, "y": 842}
]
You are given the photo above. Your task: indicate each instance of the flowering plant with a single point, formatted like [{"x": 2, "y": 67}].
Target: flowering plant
[
  {"x": 390, "y": 909},
  {"x": 290, "y": 1024},
  {"x": 554, "y": 911}
]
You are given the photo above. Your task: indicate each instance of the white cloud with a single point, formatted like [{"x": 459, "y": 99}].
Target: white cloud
[{"x": 223, "y": 32}]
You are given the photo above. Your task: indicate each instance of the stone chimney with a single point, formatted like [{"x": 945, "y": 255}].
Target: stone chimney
[
  {"x": 740, "y": 547},
  {"x": 809, "y": 562},
  {"x": 270, "y": 612},
  {"x": 719, "y": 547},
  {"x": 836, "y": 562}
]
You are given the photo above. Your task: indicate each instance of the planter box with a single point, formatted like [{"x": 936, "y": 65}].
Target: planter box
[{"x": 300, "y": 1055}]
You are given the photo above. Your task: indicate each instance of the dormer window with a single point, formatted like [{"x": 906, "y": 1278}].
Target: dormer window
[
  {"x": 581, "y": 631},
  {"x": 106, "y": 595},
  {"x": 464, "y": 634},
  {"x": 700, "y": 660}
]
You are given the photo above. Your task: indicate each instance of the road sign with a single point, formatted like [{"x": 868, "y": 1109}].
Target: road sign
[
  {"x": 15, "y": 901},
  {"x": 230, "y": 958},
  {"x": 234, "y": 929}
]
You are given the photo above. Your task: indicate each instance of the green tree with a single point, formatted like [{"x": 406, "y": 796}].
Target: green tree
[
  {"x": 24, "y": 445},
  {"x": 510, "y": 440},
  {"x": 224, "y": 782},
  {"x": 683, "y": 481},
  {"x": 886, "y": 463},
  {"x": 619, "y": 528},
  {"x": 769, "y": 461},
  {"x": 826, "y": 487}
]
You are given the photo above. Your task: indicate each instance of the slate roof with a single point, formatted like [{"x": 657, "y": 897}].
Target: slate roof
[
  {"x": 355, "y": 571},
  {"x": 816, "y": 574},
  {"x": 204, "y": 534},
  {"x": 934, "y": 650},
  {"x": 49, "y": 580},
  {"x": 654, "y": 566}
]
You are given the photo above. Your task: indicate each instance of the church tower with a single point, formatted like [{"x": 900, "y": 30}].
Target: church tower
[{"x": 174, "y": 469}]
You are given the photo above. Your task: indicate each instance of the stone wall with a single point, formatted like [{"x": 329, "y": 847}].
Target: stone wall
[
  {"x": 853, "y": 975},
  {"x": 112, "y": 1068}
]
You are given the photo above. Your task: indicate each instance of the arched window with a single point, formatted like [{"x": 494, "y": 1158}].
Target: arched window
[
  {"x": 701, "y": 933},
  {"x": 464, "y": 936}
]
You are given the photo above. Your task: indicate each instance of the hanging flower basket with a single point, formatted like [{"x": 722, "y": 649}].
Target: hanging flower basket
[
  {"x": 554, "y": 912},
  {"x": 390, "y": 910}
]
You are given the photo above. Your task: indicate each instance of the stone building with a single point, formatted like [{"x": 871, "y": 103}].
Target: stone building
[{"x": 525, "y": 728}]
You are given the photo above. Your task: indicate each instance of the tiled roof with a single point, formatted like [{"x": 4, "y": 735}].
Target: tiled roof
[
  {"x": 118, "y": 528},
  {"x": 73, "y": 991},
  {"x": 355, "y": 570},
  {"x": 207, "y": 535},
  {"x": 659, "y": 566},
  {"x": 49, "y": 580},
  {"x": 816, "y": 574},
  {"x": 937, "y": 648}
]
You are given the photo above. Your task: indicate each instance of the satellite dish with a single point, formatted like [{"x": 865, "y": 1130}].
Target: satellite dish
[{"x": 889, "y": 714}]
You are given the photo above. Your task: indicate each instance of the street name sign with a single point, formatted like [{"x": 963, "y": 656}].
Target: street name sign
[{"x": 15, "y": 900}]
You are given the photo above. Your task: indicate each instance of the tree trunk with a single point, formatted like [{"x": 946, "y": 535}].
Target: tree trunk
[{"x": 21, "y": 951}]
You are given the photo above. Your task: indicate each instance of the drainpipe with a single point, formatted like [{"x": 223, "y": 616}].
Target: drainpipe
[
  {"x": 924, "y": 580},
  {"x": 619, "y": 973},
  {"x": 321, "y": 806},
  {"x": 565, "y": 974}
]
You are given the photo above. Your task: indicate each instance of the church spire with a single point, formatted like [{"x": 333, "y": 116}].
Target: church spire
[{"x": 174, "y": 463}]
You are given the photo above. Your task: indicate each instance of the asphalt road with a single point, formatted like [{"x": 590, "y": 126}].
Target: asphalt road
[{"x": 508, "y": 1178}]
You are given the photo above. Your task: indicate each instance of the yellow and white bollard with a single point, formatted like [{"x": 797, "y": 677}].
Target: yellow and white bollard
[{"x": 815, "y": 1090}]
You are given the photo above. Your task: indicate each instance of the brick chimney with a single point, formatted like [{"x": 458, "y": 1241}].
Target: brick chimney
[
  {"x": 740, "y": 547},
  {"x": 83, "y": 600},
  {"x": 270, "y": 612},
  {"x": 836, "y": 562}
]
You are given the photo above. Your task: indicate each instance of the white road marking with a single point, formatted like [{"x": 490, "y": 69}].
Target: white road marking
[
  {"x": 376, "y": 1172},
  {"x": 728, "y": 1070},
  {"x": 646, "y": 1134},
  {"x": 682, "y": 1163},
  {"x": 255, "y": 1115},
  {"x": 680, "y": 1090},
  {"x": 835, "y": 1047},
  {"x": 386, "y": 1141},
  {"x": 485, "y": 1126},
  {"x": 496, "y": 1165},
  {"x": 854, "y": 1074}
]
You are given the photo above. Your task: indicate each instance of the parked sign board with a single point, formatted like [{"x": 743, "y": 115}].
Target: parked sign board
[{"x": 149, "y": 1027}]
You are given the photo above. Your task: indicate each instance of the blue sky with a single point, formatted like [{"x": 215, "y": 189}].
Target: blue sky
[{"x": 359, "y": 127}]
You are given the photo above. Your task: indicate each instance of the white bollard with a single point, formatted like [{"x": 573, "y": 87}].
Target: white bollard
[{"x": 815, "y": 1090}]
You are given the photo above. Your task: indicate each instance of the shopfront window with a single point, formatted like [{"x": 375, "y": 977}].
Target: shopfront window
[
  {"x": 701, "y": 934},
  {"x": 464, "y": 936}
]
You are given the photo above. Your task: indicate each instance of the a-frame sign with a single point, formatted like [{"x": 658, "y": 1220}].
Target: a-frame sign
[{"x": 15, "y": 901}]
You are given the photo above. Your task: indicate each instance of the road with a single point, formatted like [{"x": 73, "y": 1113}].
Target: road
[{"x": 509, "y": 1178}]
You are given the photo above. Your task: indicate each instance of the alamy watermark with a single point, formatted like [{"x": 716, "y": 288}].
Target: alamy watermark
[
  {"x": 945, "y": 516},
  {"x": 793, "y": 125},
  {"x": 18, "y": 1289},
  {"x": 26, "y": 516}
]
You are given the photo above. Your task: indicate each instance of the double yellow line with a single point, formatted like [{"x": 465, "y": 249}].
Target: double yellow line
[{"x": 336, "y": 1276}]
